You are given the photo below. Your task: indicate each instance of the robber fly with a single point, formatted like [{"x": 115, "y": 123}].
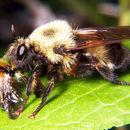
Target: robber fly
[{"x": 56, "y": 49}]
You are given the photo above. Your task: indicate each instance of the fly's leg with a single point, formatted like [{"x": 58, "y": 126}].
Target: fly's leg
[
  {"x": 47, "y": 91},
  {"x": 109, "y": 75},
  {"x": 32, "y": 84}
]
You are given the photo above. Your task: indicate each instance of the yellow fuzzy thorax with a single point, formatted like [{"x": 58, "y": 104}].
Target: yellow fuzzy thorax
[{"x": 54, "y": 34}]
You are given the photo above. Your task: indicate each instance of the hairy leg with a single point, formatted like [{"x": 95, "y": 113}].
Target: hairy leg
[
  {"x": 48, "y": 90},
  {"x": 109, "y": 75}
]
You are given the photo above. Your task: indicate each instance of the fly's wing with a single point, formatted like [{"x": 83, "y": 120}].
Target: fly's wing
[
  {"x": 92, "y": 37},
  {"x": 11, "y": 96}
]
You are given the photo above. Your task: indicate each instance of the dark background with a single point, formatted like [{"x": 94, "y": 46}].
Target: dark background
[{"x": 26, "y": 15}]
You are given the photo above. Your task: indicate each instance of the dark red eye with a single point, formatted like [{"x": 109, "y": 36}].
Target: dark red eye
[{"x": 21, "y": 52}]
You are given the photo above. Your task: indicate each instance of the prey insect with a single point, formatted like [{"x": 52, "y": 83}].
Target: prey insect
[
  {"x": 56, "y": 49},
  {"x": 10, "y": 94},
  {"x": 10, "y": 91}
]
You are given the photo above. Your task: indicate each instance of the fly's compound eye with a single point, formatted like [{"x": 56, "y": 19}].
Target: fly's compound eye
[{"x": 21, "y": 52}]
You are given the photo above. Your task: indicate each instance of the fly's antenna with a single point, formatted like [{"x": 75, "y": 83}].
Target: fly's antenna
[
  {"x": 14, "y": 34},
  {"x": 13, "y": 31}
]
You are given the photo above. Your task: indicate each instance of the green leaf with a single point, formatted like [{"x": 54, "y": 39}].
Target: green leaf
[
  {"x": 74, "y": 103},
  {"x": 90, "y": 102}
]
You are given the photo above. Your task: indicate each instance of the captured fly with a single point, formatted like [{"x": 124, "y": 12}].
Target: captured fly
[{"x": 10, "y": 94}]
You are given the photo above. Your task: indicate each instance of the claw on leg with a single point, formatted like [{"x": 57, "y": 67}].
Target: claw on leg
[
  {"x": 19, "y": 112},
  {"x": 33, "y": 116}
]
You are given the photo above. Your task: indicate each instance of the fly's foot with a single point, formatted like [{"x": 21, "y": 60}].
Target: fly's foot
[
  {"x": 19, "y": 112},
  {"x": 33, "y": 116}
]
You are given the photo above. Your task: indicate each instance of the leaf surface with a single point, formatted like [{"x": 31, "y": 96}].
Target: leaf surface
[{"x": 89, "y": 102}]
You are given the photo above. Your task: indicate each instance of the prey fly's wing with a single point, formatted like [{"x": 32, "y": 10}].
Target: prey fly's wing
[{"x": 10, "y": 95}]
